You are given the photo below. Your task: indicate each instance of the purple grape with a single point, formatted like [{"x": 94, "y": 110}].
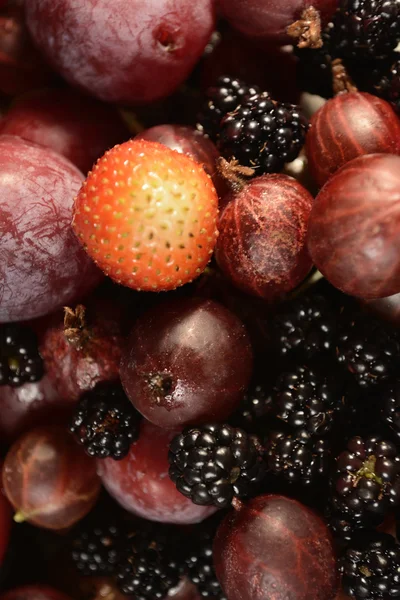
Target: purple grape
[
  {"x": 122, "y": 51},
  {"x": 42, "y": 264}
]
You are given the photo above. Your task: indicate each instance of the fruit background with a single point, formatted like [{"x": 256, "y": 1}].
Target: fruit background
[{"x": 199, "y": 299}]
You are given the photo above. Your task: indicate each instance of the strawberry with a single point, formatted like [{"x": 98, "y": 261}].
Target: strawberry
[{"x": 147, "y": 216}]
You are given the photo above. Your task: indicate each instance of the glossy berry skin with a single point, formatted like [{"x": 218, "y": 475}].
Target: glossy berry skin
[
  {"x": 262, "y": 243},
  {"x": 350, "y": 125},
  {"x": 140, "y": 482},
  {"x": 74, "y": 125},
  {"x": 42, "y": 265},
  {"x": 274, "y": 548},
  {"x": 48, "y": 478},
  {"x": 353, "y": 228},
  {"x": 125, "y": 52},
  {"x": 387, "y": 308},
  {"x": 187, "y": 140},
  {"x": 187, "y": 362},
  {"x": 34, "y": 592},
  {"x": 268, "y": 19},
  {"x": 147, "y": 216}
]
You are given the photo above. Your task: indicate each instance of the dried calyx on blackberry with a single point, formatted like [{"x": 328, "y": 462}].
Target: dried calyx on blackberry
[
  {"x": 255, "y": 408},
  {"x": 371, "y": 566},
  {"x": 105, "y": 421},
  {"x": 262, "y": 134},
  {"x": 364, "y": 29},
  {"x": 222, "y": 98},
  {"x": 368, "y": 349},
  {"x": 213, "y": 464},
  {"x": 305, "y": 327},
  {"x": 390, "y": 402},
  {"x": 308, "y": 399},
  {"x": 366, "y": 480},
  {"x": 297, "y": 456},
  {"x": 199, "y": 566},
  {"x": 20, "y": 361},
  {"x": 148, "y": 567},
  {"x": 96, "y": 548}
]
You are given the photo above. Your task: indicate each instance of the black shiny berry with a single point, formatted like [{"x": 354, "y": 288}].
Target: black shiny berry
[
  {"x": 363, "y": 29},
  {"x": 369, "y": 350},
  {"x": 200, "y": 567},
  {"x": 97, "y": 550},
  {"x": 371, "y": 567},
  {"x": 212, "y": 464},
  {"x": 308, "y": 399},
  {"x": 255, "y": 409},
  {"x": 147, "y": 569},
  {"x": 20, "y": 361},
  {"x": 222, "y": 98},
  {"x": 105, "y": 422},
  {"x": 305, "y": 327},
  {"x": 262, "y": 134},
  {"x": 390, "y": 403},
  {"x": 297, "y": 457},
  {"x": 366, "y": 480}
]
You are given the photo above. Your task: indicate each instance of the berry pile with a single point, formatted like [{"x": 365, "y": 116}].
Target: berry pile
[{"x": 200, "y": 299}]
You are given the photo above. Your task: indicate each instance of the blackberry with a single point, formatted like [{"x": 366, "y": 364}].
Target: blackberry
[
  {"x": 366, "y": 482},
  {"x": 306, "y": 327},
  {"x": 146, "y": 569},
  {"x": 371, "y": 566},
  {"x": 200, "y": 568},
  {"x": 105, "y": 422},
  {"x": 382, "y": 78},
  {"x": 255, "y": 409},
  {"x": 97, "y": 550},
  {"x": 297, "y": 457},
  {"x": 212, "y": 464},
  {"x": 390, "y": 399},
  {"x": 223, "y": 98},
  {"x": 20, "y": 361},
  {"x": 368, "y": 350},
  {"x": 314, "y": 71},
  {"x": 307, "y": 399},
  {"x": 262, "y": 134},
  {"x": 364, "y": 29}
]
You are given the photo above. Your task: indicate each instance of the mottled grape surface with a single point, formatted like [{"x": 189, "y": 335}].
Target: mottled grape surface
[
  {"x": 261, "y": 247},
  {"x": 122, "y": 51},
  {"x": 49, "y": 479},
  {"x": 354, "y": 228},
  {"x": 347, "y": 126},
  {"x": 274, "y": 548},
  {"x": 140, "y": 482},
  {"x": 42, "y": 264}
]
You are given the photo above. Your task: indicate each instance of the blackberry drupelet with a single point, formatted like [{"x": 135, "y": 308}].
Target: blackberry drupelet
[
  {"x": 146, "y": 569},
  {"x": 366, "y": 480},
  {"x": 307, "y": 399},
  {"x": 212, "y": 464},
  {"x": 20, "y": 361},
  {"x": 255, "y": 409},
  {"x": 105, "y": 422},
  {"x": 262, "y": 134},
  {"x": 364, "y": 29},
  {"x": 382, "y": 78},
  {"x": 297, "y": 457},
  {"x": 200, "y": 568},
  {"x": 371, "y": 566},
  {"x": 97, "y": 550},
  {"x": 390, "y": 402},
  {"x": 223, "y": 98},
  {"x": 369, "y": 350},
  {"x": 305, "y": 327}
]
